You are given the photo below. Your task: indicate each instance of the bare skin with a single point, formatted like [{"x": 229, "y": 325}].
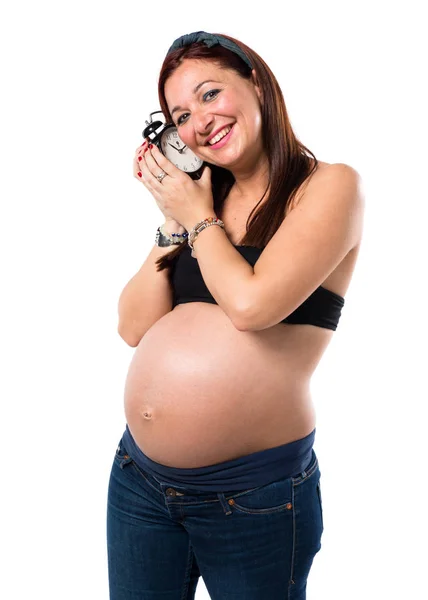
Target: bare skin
[{"x": 199, "y": 391}]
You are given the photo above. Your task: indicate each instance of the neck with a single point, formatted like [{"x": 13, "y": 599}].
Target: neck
[{"x": 251, "y": 181}]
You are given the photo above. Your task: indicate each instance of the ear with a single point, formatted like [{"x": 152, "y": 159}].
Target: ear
[{"x": 256, "y": 84}]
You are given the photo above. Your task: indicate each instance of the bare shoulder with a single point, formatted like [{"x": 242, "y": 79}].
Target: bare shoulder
[
  {"x": 337, "y": 173},
  {"x": 341, "y": 171},
  {"x": 342, "y": 182},
  {"x": 346, "y": 181},
  {"x": 339, "y": 177}
]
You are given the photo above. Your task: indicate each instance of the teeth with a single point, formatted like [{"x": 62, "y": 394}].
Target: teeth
[{"x": 219, "y": 136}]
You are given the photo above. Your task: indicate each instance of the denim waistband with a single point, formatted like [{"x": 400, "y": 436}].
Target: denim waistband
[{"x": 249, "y": 471}]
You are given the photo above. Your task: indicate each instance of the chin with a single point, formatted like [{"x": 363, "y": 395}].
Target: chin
[{"x": 227, "y": 163}]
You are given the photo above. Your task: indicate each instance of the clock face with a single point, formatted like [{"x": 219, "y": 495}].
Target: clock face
[{"x": 178, "y": 153}]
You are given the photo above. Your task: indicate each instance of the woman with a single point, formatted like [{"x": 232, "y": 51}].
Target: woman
[{"x": 216, "y": 474}]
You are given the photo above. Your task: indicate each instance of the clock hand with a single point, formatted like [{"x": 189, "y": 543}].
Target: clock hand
[{"x": 178, "y": 149}]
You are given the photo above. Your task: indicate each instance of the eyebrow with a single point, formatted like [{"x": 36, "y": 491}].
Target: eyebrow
[{"x": 194, "y": 91}]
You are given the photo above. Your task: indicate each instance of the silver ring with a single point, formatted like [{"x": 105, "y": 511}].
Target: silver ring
[{"x": 161, "y": 176}]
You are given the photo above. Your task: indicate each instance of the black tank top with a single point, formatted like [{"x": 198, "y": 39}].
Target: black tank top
[{"x": 322, "y": 308}]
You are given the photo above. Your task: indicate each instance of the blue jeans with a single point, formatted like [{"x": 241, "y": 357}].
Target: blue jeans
[{"x": 255, "y": 544}]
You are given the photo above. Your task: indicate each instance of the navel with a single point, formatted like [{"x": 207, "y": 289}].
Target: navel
[{"x": 146, "y": 413}]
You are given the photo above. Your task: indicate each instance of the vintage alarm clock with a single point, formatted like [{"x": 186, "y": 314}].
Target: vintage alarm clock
[{"x": 166, "y": 138}]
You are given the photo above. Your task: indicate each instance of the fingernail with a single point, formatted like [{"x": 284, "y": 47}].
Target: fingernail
[
  {"x": 139, "y": 174},
  {"x": 145, "y": 150},
  {"x": 140, "y": 158},
  {"x": 150, "y": 146}
]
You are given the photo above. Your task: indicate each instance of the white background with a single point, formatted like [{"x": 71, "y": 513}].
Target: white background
[{"x": 78, "y": 80}]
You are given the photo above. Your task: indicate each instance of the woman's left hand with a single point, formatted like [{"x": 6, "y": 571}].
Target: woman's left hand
[{"x": 178, "y": 196}]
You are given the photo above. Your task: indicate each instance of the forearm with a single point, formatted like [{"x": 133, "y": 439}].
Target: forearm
[
  {"x": 226, "y": 273},
  {"x": 147, "y": 296}
]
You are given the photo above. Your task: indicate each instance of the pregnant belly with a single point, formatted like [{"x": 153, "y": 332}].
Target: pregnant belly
[{"x": 199, "y": 391}]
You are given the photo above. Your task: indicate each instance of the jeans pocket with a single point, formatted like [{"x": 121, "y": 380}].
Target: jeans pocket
[
  {"x": 271, "y": 498},
  {"x": 320, "y": 503},
  {"x": 121, "y": 455}
]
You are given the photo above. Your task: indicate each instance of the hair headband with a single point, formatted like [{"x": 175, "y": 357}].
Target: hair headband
[{"x": 209, "y": 40}]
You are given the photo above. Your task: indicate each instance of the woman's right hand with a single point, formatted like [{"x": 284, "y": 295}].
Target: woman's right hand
[{"x": 136, "y": 167}]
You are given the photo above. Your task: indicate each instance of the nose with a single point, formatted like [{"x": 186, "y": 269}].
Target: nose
[{"x": 203, "y": 122}]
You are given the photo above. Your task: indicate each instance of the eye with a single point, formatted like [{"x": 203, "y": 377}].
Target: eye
[
  {"x": 181, "y": 118},
  {"x": 208, "y": 97}
]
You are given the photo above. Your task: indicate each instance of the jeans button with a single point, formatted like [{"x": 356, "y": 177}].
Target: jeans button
[{"x": 170, "y": 492}]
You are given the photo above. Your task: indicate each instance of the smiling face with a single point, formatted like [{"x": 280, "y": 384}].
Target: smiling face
[{"x": 217, "y": 113}]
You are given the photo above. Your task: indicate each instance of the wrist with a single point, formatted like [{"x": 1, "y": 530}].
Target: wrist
[
  {"x": 199, "y": 218},
  {"x": 171, "y": 226},
  {"x": 199, "y": 227}
]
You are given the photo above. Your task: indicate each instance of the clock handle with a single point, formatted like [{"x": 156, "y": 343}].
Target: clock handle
[{"x": 152, "y": 128}]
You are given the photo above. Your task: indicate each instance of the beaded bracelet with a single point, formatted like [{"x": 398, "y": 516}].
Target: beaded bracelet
[
  {"x": 176, "y": 238},
  {"x": 193, "y": 234}
]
